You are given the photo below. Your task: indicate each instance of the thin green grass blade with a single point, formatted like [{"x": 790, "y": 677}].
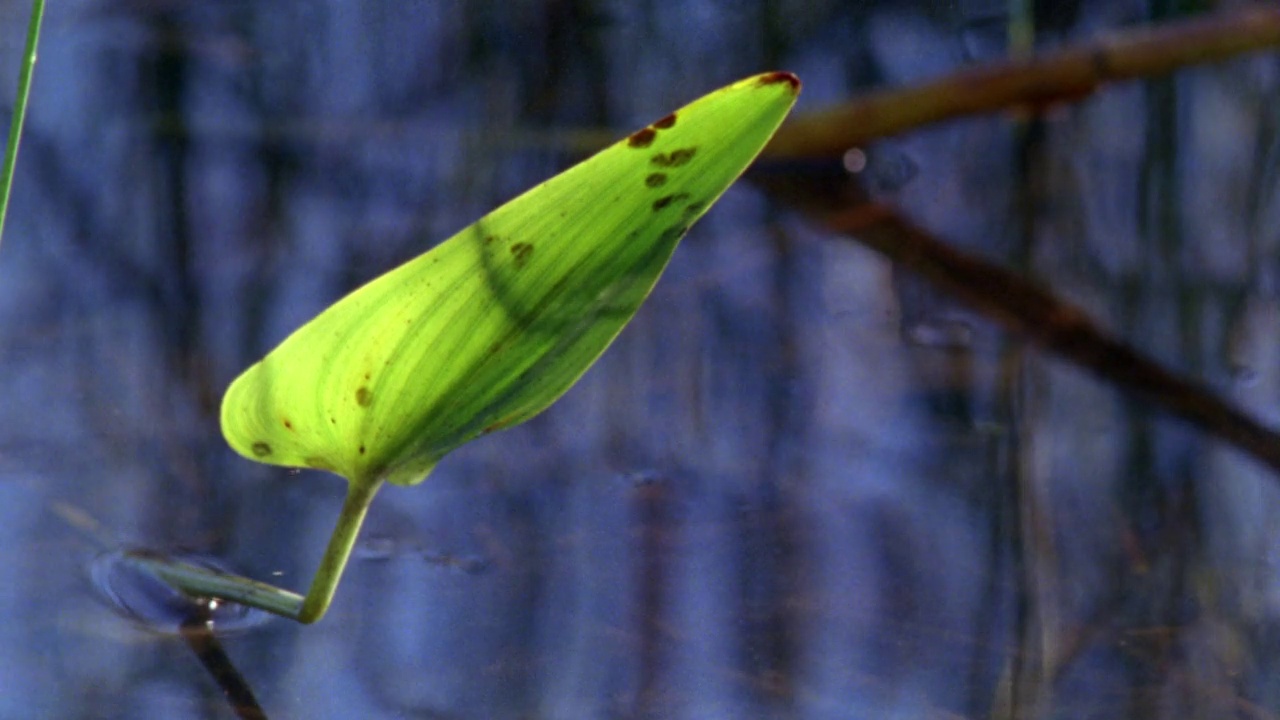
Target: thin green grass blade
[
  {"x": 493, "y": 325},
  {"x": 19, "y": 109}
]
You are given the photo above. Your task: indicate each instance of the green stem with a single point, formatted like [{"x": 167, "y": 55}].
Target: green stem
[
  {"x": 354, "y": 508},
  {"x": 19, "y": 109},
  {"x": 203, "y": 582}
]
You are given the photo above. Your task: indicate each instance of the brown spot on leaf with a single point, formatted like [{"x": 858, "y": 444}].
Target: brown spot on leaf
[
  {"x": 521, "y": 253},
  {"x": 664, "y": 202},
  {"x": 261, "y": 449},
  {"x": 642, "y": 138},
  {"x": 319, "y": 463},
  {"x": 774, "y": 78},
  {"x": 490, "y": 239},
  {"x": 498, "y": 425},
  {"x": 288, "y": 425},
  {"x": 361, "y": 449},
  {"x": 655, "y": 180},
  {"x": 693, "y": 209},
  {"x": 364, "y": 396},
  {"x": 675, "y": 158},
  {"x": 673, "y": 233},
  {"x": 666, "y": 122}
]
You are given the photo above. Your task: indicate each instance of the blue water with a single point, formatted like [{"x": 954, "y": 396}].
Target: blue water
[{"x": 801, "y": 484}]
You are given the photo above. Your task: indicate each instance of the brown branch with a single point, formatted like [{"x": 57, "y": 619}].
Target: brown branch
[
  {"x": 1022, "y": 307},
  {"x": 1060, "y": 76}
]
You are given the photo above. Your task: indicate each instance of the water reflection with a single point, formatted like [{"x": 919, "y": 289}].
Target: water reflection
[
  {"x": 154, "y": 605},
  {"x": 803, "y": 484},
  {"x": 200, "y": 630}
]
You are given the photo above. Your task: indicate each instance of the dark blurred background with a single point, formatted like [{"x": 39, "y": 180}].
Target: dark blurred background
[{"x": 803, "y": 483}]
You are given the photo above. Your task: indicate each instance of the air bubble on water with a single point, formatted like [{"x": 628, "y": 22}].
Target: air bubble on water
[
  {"x": 469, "y": 564},
  {"x": 888, "y": 170},
  {"x": 854, "y": 160},
  {"x": 943, "y": 334},
  {"x": 150, "y": 602},
  {"x": 1244, "y": 376},
  {"x": 473, "y": 565},
  {"x": 641, "y": 478},
  {"x": 377, "y": 547}
]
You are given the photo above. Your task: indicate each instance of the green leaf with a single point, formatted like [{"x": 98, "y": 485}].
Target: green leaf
[{"x": 491, "y": 326}]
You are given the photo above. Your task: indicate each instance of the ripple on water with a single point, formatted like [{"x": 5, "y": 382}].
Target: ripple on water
[{"x": 148, "y": 601}]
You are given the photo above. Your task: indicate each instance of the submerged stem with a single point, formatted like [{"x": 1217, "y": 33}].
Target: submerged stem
[{"x": 203, "y": 582}]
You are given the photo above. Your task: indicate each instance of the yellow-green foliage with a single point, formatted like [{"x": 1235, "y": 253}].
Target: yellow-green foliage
[{"x": 490, "y": 327}]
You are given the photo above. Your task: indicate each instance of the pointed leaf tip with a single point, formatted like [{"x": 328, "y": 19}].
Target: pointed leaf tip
[{"x": 775, "y": 78}]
